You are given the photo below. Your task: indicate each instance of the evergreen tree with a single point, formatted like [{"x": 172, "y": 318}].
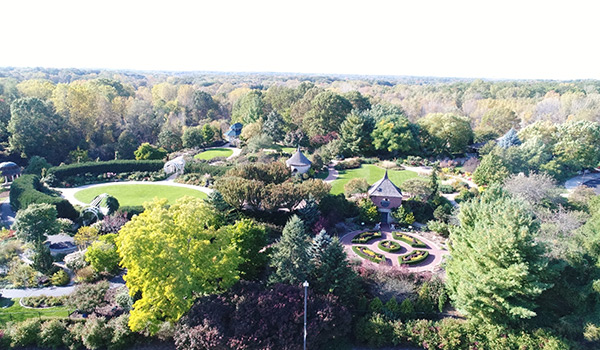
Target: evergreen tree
[
  {"x": 332, "y": 272},
  {"x": 273, "y": 126},
  {"x": 42, "y": 260},
  {"x": 433, "y": 182},
  {"x": 310, "y": 212},
  {"x": 495, "y": 273},
  {"x": 319, "y": 244},
  {"x": 509, "y": 139},
  {"x": 355, "y": 132},
  {"x": 290, "y": 257},
  {"x": 215, "y": 200}
]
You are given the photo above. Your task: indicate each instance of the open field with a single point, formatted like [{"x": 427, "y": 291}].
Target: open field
[
  {"x": 137, "y": 194},
  {"x": 213, "y": 153},
  {"x": 372, "y": 174}
]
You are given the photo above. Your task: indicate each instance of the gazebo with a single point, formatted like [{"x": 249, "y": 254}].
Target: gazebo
[
  {"x": 386, "y": 196},
  {"x": 298, "y": 163},
  {"x": 10, "y": 171},
  {"x": 176, "y": 165}
]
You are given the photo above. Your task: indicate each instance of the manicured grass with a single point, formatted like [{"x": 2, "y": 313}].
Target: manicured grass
[
  {"x": 137, "y": 194},
  {"x": 372, "y": 174},
  {"x": 15, "y": 312},
  {"x": 213, "y": 153}
]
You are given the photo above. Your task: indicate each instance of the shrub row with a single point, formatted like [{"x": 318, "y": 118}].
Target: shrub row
[
  {"x": 113, "y": 166},
  {"x": 27, "y": 190},
  {"x": 43, "y": 301},
  {"x": 389, "y": 246},
  {"x": 205, "y": 168},
  {"x": 352, "y": 163},
  {"x": 366, "y": 237},
  {"x": 414, "y": 242},
  {"x": 413, "y": 258},
  {"x": 368, "y": 254},
  {"x": 93, "y": 333},
  {"x": 131, "y": 210}
]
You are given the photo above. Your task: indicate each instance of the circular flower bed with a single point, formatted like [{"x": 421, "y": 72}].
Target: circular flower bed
[
  {"x": 389, "y": 246},
  {"x": 413, "y": 258},
  {"x": 365, "y": 237},
  {"x": 414, "y": 242},
  {"x": 368, "y": 254}
]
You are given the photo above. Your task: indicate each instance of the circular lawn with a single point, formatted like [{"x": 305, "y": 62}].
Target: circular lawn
[
  {"x": 213, "y": 153},
  {"x": 137, "y": 194},
  {"x": 372, "y": 174}
]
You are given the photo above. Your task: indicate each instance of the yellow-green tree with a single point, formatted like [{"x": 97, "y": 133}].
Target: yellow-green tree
[{"x": 172, "y": 255}]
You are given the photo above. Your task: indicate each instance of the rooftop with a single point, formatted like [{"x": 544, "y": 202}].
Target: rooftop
[{"x": 385, "y": 188}]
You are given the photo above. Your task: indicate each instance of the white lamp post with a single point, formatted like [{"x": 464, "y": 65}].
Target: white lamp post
[{"x": 305, "y": 285}]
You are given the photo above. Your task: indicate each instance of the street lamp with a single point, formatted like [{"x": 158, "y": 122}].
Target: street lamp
[{"x": 305, "y": 285}]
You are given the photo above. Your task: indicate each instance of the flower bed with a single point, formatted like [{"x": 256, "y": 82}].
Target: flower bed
[
  {"x": 365, "y": 237},
  {"x": 389, "y": 246},
  {"x": 413, "y": 258},
  {"x": 412, "y": 241},
  {"x": 43, "y": 301},
  {"x": 368, "y": 254}
]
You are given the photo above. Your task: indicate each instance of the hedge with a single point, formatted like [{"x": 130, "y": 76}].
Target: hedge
[
  {"x": 414, "y": 242},
  {"x": 205, "y": 168},
  {"x": 131, "y": 210},
  {"x": 413, "y": 258},
  {"x": 113, "y": 166},
  {"x": 27, "y": 190},
  {"x": 365, "y": 237},
  {"x": 393, "y": 246},
  {"x": 368, "y": 254}
]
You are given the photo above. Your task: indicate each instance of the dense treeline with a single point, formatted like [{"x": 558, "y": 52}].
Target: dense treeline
[{"x": 67, "y": 115}]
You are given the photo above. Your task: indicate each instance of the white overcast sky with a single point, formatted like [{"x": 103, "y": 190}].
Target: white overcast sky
[{"x": 485, "y": 39}]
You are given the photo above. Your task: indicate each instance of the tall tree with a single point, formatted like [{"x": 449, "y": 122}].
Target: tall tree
[
  {"x": 358, "y": 101},
  {"x": 36, "y": 130},
  {"x": 249, "y": 108},
  {"x": 509, "y": 139},
  {"x": 250, "y": 238},
  {"x": 290, "y": 257},
  {"x": 496, "y": 270},
  {"x": 445, "y": 133},
  {"x": 395, "y": 134},
  {"x": 355, "y": 132},
  {"x": 174, "y": 254},
  {"x": 328, "y": 111},
  {"x": 192, "y": 137},
  {"x": 274, "y": 125},
  {"x": 36, "y": 221}
]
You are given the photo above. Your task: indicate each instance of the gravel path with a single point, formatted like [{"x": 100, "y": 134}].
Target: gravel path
[
  {"x": 69, "y": 193},
  {"x": 52, "y": 291},
  {"x": 332, "y": 175},
  {"x": 435, "y": 258}
]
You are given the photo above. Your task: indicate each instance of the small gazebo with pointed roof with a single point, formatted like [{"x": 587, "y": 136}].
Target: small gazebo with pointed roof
[
  {"x": 298, "y": 163},
  {"x": 386, "y": 196}
]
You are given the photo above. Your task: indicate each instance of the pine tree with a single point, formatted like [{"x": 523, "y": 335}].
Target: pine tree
[
  {"x": 215, "y": 200},
  {"x": 42, "y": 260},
  {"x": 332, "y": 272},
  {"x": 273, "y": 126},
  {"x": 290, "y": 257},
  {"x": 509, "y": 139},
  {"x": 355, "y": 132},
  {"x": 310, "y": 212},
  {"x": 318, "y": 247},
  {"x": 433, "y": 182},
  {"x": 495, "y": 273}
]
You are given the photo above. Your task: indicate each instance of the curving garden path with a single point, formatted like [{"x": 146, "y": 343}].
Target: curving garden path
[
  {"x": 435, "y": 258},
  {"x": 69, "y": 193},
  {"x": 579, "y": 180}
]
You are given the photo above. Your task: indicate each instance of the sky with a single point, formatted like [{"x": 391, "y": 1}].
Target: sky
[{"x": 526, "y": 39}]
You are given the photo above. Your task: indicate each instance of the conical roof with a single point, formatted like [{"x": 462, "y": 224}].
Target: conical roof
[
  {"x": 385, "y": 188},
  {"x": 298, "y": 159}
]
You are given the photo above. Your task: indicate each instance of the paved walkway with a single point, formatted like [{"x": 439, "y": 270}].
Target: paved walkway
[
  {"x": 8, "y": 215},
  {"x": 52, "y": 291},
  {"x": 69, "y": 193},
  {"x": 572, "y": 183},
  {"x": 332, "y": 175},
  {"x": 436, "y": 254}
]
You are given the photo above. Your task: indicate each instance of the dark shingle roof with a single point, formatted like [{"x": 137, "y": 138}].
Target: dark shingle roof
[
  {"x": 298, "y": 159},
  {"x": 385, "y": 188}
]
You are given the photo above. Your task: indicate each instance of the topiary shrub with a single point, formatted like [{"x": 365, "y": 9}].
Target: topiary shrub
[
  {"x": 412, "y": 241},
  {"x": 365, "y": 237},
  {"x": 368, "y": 254},
  {"x": 60, "y": 278},
  {"x": 414, "y": 257},
  {"x": 389, "y": 246}
]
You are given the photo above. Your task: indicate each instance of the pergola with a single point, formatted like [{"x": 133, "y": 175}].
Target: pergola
[
  {"x": 10, "y": 171},
  {"x": 175, "y": 165}
]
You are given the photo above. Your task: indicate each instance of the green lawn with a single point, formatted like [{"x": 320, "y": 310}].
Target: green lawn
[
  {"x": 213, "y": 153},
  {"x": 137, "y": 194},
  {"x": 372, "y": 174},
  {"x": 15, "y": 312}
]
